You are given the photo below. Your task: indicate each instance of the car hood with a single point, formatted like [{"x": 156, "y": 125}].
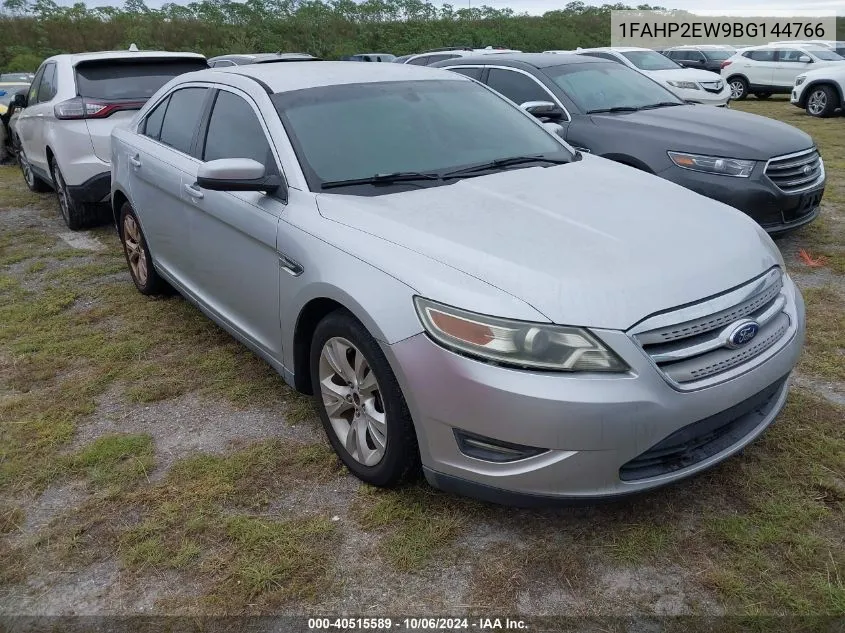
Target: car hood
[
  {"x": 713, "y": 131},
  {"x": 592, "y": 243},
  {"x": 836, "y": 70},
  {"x": 683, "y": 74}
]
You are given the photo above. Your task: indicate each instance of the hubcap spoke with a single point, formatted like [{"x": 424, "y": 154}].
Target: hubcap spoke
[{"x": 352, "y": 401}]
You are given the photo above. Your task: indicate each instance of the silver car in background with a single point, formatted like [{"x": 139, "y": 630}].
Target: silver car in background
[{"x": 530, "y": 323}]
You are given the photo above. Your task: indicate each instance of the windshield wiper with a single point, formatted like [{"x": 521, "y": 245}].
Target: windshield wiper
[
  {"x": 504, "y": 162},
  {"x": 662, "y": 104},
  {"x": 381, "y": 179},
  {"x": 614, "y": 109}
]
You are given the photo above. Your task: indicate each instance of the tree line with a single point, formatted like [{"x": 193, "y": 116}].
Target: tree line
[{"x": 35, "y": 29}]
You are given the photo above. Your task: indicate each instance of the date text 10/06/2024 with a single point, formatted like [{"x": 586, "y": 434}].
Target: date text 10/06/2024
[{"x": 417, "y": 624}]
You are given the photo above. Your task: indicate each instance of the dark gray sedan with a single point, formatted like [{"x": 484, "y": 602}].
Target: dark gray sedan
[{"x": 767, "y": 169}]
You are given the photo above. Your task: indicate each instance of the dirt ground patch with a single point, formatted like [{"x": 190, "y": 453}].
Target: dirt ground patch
[{"x": 150, "y": 464}]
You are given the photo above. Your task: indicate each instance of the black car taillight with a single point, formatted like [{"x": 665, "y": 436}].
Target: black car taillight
[{"x": 82, "y": 108}]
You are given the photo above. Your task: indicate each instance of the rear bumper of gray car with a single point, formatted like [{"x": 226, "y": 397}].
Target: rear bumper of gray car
[{"x": 599, "y": 436}]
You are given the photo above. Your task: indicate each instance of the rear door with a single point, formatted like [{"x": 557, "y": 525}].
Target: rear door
[
  {"x": 30, "y": 123},
  {"x": 114, "y": 89},
  {"x": 157, "y": 164},
  {"x": 760, "y": 67},
  {"x": 233, "y": 233}
]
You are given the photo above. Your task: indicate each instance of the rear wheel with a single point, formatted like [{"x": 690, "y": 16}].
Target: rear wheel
[
  {"x": 33, "y": 181},
  {"x": 77, "y": 215},
  {"x": 822, "y": 101},
  {"x": 147, "y": 280},
  {"x": 360, "y": 402},
  {"x": 739, "y": 88}
]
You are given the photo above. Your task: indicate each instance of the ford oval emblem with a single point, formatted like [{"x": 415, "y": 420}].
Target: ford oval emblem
[{"x": 742, "y": 334}]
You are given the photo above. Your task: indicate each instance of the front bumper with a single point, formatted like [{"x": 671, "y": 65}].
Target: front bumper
[
  {"x": 776, "y": 211},
  {"x": 592, "y": 425}
]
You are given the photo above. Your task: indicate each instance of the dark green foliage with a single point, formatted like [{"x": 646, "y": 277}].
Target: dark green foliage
[{"x": 327, "y": 28}]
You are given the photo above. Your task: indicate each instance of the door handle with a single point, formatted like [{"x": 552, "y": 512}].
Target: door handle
[
  {"x": 193, "y": 192},
  {"x": 135, "y": 160}
]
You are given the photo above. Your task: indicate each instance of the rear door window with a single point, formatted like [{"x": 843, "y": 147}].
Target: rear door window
[
  {"x": 32, "y": 98},
  {"x": 182, "y": 118},
  {"x": 474, "y": 73},
  {"x": 152, "y": 125},
  {"x": 131, "y": 80},
  {"x": 47, "y": 89},
  {"x": 762, "y": 56}
]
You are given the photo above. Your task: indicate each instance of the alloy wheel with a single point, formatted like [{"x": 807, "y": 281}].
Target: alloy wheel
[
  {"x": 353, "y": 401},
  {"x": 61, "y": 192},
  {"x": 135, "y": 249},
  {"x": 817, "y": 102},
  {"x": 737, "y": 89},
  {"x": 26, "y": 169}
]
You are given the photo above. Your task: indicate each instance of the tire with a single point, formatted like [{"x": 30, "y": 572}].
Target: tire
[
  {"x": 368, "y": 403},
  {"x": 762, "y": 95},
  {"x": 77, "y": 215},
  {"x": 33, "y": 182},
  {"x": 739, "y": 88},
  {"x": 822, "y": 101},
  {"x": 141, "y": 269}
]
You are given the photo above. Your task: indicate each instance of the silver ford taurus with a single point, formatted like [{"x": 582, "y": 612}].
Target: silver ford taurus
[{"x": 529, "y": 323}]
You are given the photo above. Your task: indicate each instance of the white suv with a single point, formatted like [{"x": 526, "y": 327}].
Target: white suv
[
  {"x": 63, "y": 132},
  {"x": 690, "y": 84},
  {"x": 820, "y": 91},
  {"x": 442, "y": 54},
  {"x": 770, "y": 69}
]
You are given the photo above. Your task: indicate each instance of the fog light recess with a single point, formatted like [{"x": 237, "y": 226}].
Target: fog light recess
[{"x": 490, "y": 450}]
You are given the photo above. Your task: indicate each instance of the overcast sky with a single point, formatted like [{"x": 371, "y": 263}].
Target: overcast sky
[{"x": 537, "y": 7}]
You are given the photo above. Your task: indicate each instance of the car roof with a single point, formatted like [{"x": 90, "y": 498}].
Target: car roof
[
  {"x": 613, "y": 49},
  {"x": 76, "y": 58},
  {"x": 537, "y": 60},
  {"x": 262, "y": 57},
  {"x": 705, "y": 47},
  {"x": 308, "y": 74}
]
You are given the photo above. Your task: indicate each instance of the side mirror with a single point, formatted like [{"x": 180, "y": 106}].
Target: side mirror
[
  {"x": 542, "y": 109},
  {"x": 805, "y": 59},
  {"x": 19, "y": 100},
  {"x": 236, "y": 174}
]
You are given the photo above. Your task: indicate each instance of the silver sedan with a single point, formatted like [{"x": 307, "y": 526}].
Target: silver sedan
[{"x": 526, "y": 322}]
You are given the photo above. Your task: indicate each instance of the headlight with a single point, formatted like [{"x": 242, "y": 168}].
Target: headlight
[
  {"x": 713, "y": 164},
  {"x": 687, "y": 85},
  {"x": 516, "y": 343},
  {"x": 800, "y": 79}
]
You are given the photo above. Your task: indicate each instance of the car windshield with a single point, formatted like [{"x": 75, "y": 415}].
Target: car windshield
[
  {"x": 605, "y": 87},
  {"x": 120, "y": 79},
  {"x": 827, "y": 55},
  {"x": 649, "y": 60},
  {"x": 357, "y": 131},
  {"x": 718, "y": 56}
]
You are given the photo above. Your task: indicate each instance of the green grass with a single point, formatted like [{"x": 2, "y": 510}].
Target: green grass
[
  {"x": 824, "y": 352},
  {"x": 418, "y": 523},
  {"x": 15, "y": 195}
]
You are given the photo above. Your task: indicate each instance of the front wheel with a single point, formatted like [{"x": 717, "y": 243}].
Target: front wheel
[
  {"x": 360, "y": 402},
  {"x": 739, "y": 88},
  {"x": 822, "y": 102}
]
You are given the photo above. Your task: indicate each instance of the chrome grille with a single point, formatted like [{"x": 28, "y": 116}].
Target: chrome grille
[
  {"x": 691, "y": 344},
  {"x": 795, "y": 171}
]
